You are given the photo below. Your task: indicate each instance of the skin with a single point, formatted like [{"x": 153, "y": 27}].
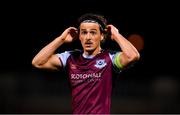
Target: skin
[{"x": 90, "y": 37}]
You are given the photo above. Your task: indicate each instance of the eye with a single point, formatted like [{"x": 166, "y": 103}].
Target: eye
[
  {"x": 93, "y": 32},
  {"x": 83, "y": 32}
]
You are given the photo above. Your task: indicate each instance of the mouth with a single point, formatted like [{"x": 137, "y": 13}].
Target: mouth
[{"x": 88, "y": 44}]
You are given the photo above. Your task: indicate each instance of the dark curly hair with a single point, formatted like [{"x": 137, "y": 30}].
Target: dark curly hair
[{"x": 95, "y": 17}]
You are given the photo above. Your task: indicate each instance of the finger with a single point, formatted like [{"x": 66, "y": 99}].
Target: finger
[{"x": 73, "y": 28}]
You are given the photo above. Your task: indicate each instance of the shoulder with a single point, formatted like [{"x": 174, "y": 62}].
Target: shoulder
[
  {"x": 74, "y": 54},
  {"x": 111, "y": 53},
  {"x": 64, "y": 56}
]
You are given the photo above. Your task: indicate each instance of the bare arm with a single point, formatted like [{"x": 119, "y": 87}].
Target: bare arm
[
  {"x": 129, "y": 52},
  {"x": 46, "y": 59}
]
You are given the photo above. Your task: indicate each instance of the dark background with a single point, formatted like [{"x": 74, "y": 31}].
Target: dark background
[{"x": 151, "y": 86}]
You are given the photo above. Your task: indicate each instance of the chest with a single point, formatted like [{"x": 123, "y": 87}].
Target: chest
[{"x": 96, "y": 69}]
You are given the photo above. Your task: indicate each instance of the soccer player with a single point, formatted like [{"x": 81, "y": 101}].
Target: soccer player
[{"x": 90, "y": 69}]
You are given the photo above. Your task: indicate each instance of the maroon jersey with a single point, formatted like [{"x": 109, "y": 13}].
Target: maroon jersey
[{"x": 91, "y": 82}]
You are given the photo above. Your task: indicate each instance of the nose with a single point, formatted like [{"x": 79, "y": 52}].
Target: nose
[{"x": 88, "y": 36}]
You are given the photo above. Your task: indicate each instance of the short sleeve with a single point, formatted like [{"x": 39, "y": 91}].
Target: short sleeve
[{"x": 63, "y": 57}]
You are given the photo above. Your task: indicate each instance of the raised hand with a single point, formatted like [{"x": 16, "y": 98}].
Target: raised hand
[
  {"x": 69, "y": 34},
  {"x": 112, "y": 30}
]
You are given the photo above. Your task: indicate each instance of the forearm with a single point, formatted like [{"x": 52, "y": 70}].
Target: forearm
[{"x": 45, "y": 53}]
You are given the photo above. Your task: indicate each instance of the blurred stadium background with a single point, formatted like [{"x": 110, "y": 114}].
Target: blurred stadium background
[{"x": 151, "y": 86}]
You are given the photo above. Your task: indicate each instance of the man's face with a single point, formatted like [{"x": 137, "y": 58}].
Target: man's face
[{"x": 90, "y": 36}]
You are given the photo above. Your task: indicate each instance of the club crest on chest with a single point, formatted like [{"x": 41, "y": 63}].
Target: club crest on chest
[{"x": 100, "y": 63}]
